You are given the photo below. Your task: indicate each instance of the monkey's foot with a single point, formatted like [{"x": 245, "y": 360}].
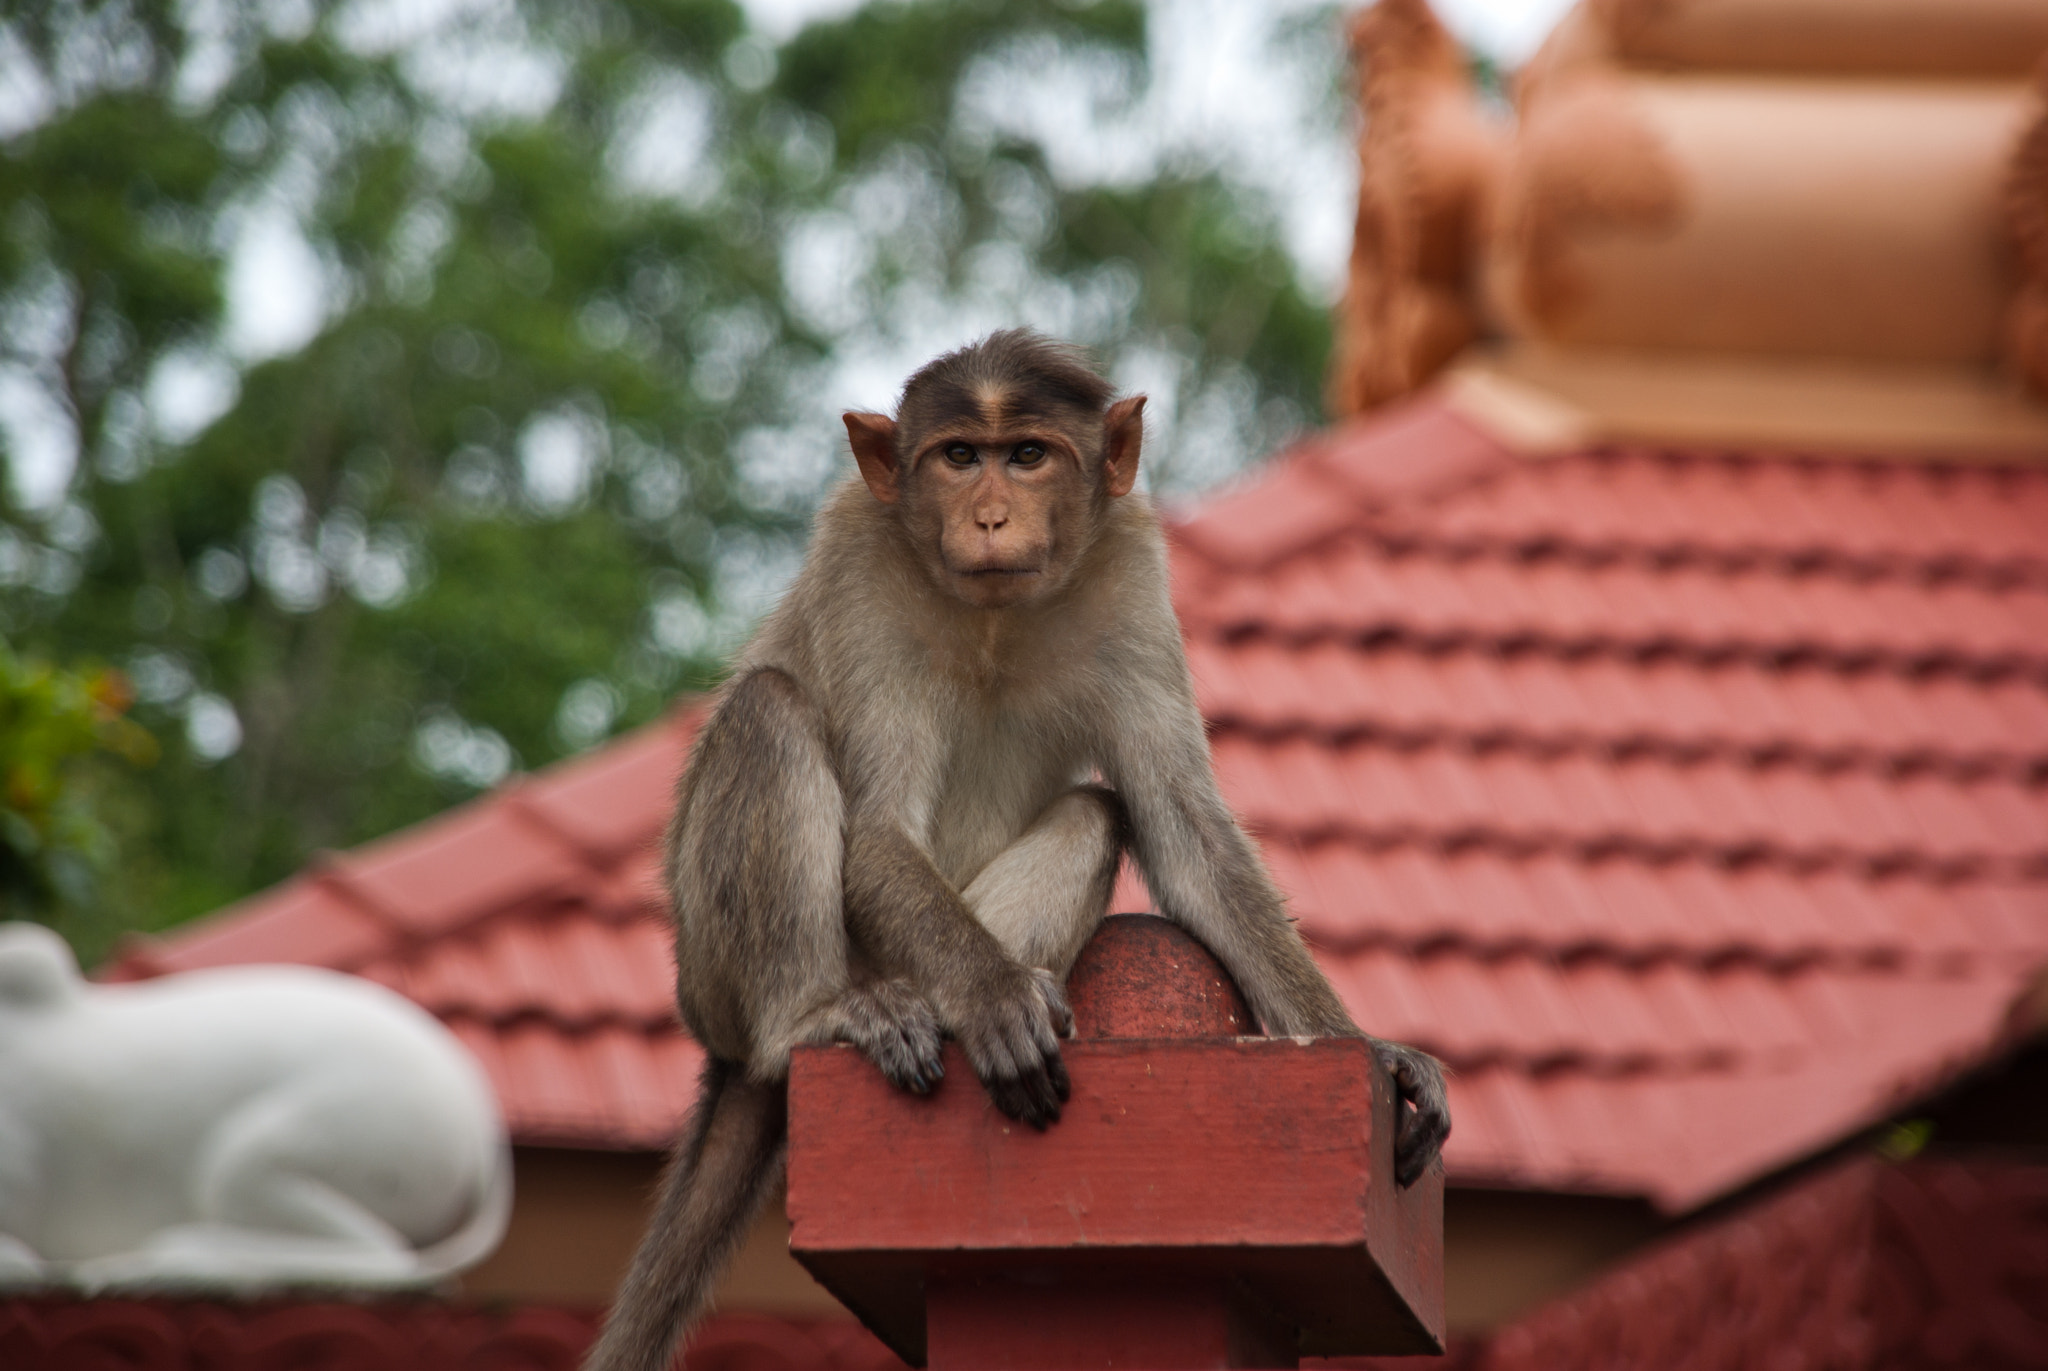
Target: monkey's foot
[
  {"x": 896, "y": 1028},
  {"x": 1423, "y": 1110}
]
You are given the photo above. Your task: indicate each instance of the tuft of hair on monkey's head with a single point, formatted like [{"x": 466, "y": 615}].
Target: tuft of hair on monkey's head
[
  {"x": 1000, "y": 466},
  {"x": 1010, "y": 375}
]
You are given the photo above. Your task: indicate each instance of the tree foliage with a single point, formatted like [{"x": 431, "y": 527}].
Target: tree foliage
[
  {"x": 53, "y": 723},
  {"x": 551, "y": 432}
]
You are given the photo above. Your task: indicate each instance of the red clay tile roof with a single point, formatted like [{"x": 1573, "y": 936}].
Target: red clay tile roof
[
  {"x": 1692, "y": 805},
  {"x": 1861, "y": 1264},
  {"x": 528, "y": 921}
]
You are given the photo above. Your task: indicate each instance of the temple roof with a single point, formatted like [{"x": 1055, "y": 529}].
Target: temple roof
[
  {"x": 1689, "y": 803},
  {"x": 1692, "y": 804}
]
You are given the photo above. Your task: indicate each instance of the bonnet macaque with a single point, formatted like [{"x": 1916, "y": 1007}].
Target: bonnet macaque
[{"x": 904, "y": 815}]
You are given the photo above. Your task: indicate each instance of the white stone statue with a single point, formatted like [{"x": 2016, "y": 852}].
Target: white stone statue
[{"x": 240, "y": 1128}]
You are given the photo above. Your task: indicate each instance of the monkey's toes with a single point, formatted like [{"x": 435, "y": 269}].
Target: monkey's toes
[
  {"x": 1420, "y": 1137},
  {"x": 1054, "y": 997},
  {"x": 907, "y": 1073},
  {"x": 1049, "y": 1093},
  {"x": 1044, "y": 1109},
  {"x": 1013, "y": 1098},
  {"x": 915, "y": 1063},
  {"x": 1410, "y": 1163},
  {"x": 1022, "y": 1088},
  {"x": 1045, "y": 1081}
]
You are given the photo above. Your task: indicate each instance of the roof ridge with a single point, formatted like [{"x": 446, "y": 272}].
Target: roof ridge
[
  {"x": 1937, "y": 463},
  {"x": 1380, "y": 466},
  {"x": 2020, "y": 571},
  {"x": 572, "y": 1024},
  {"x": 2015, "y": 766},
  {"x": 1493, "y": 838},
  {"x": 1379, "y": 469},
  {"x": 335, "y": 870},
  {"x": 1891, "y": 959},
  {"x": 2030, "y": 664},
  {"x": 516, "y": 797}
]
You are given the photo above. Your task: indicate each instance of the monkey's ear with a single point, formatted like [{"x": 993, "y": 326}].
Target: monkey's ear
[
  {"x": 874, "y": 447},
  {"x": 1123, "y": 432}
]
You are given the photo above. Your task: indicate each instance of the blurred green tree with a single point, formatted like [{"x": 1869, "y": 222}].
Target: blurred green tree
[
  {"x": 54, "y": 846},
  {"x": 544, "y": 436}
]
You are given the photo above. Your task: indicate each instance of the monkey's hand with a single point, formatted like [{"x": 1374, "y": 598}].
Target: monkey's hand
[
  {"x": 895, "y": 1027},
  {"x": 1010, "y": 1031},
  {"x": 1423, "y": 1113}
]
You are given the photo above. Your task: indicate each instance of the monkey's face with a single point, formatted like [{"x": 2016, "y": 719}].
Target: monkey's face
[
  {"x": 1002, "y": 515},
  {"x": 999, "y": 495}
]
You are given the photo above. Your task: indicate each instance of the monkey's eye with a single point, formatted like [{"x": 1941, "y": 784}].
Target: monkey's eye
[
  {"x": 960, "y": 454},
  {"x": 1028, "y": 454}
]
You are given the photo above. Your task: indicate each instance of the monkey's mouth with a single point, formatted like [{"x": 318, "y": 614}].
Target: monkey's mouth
[{"x": 993, "y": 568}]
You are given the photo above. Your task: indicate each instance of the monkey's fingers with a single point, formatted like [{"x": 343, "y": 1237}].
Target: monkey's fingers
[
  {"x": 1424, "y": 1109},
  {"x": 1018, "y": 1077},
  {"x": 998, "y": 1069},
  {"x": 902, "y": 1063},
  {"x": 1048, "y": 1045},
  {"x": 1049, "y": 1071},
  {"x": 922, "y": 1047},
  {"x": 898, "y": 1031},
  {"x": 1417, "y": 1142},
  {"x": 1055, "y": 997},
  {"x": 1044, "y": 1093},
  {"x": 1022, "y": 1097},
  {"x": 1035, "y": 1076},
  {"x": 904, "y": 1069},
  {"x": 1062, "y": 1084}
]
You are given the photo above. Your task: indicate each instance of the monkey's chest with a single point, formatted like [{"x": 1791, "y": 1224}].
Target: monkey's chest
[{"x": 996, "y": 782}]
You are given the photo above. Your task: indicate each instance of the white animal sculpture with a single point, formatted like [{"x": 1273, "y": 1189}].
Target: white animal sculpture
[{"x": 239, "y": 1128}]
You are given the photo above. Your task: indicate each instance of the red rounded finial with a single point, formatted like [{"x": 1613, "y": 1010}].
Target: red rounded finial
[{"x": 1143, "y": 977}]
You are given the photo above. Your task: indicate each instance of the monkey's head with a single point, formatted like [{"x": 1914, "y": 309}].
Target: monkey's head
[{"x": 1000, "y": 465}]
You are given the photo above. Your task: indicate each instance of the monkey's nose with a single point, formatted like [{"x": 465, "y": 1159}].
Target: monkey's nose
[{"x": 990, "y": 520}]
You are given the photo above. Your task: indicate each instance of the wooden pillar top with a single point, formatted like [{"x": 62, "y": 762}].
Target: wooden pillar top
[{"x": 1205, "y": 1188}]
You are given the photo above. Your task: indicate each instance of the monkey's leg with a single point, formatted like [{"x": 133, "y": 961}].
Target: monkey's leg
[
  {"x": 1045, "y": 893},
  {"x": 762, "y": 957}
]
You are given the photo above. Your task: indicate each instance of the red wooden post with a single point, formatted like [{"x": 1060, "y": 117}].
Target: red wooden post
[{"x": 1208, "y": 1199}]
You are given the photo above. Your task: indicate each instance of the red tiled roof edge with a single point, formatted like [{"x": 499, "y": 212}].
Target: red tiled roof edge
[
  {"x": 1328, "y": 483},
  {"x": 1862, "y": 1254},
  {"x": 345, "y": 909}
]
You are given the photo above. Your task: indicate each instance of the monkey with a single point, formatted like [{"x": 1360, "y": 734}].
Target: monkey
[{"x": 905, "y": 811}]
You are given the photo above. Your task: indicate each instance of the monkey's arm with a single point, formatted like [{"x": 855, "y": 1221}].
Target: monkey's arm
[
  {"x": 1207, "y": 876},
  {"x": 906, "y": 918}
]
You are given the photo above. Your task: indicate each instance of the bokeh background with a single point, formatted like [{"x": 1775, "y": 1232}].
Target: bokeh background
[{"x": 398, "y": 395}]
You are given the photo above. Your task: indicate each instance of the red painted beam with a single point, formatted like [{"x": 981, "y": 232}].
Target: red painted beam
[{"x": 1212, "y": 1200}]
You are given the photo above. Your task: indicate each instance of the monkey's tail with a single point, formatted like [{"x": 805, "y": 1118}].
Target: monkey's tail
[{"x": 722, "y": 1170}]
